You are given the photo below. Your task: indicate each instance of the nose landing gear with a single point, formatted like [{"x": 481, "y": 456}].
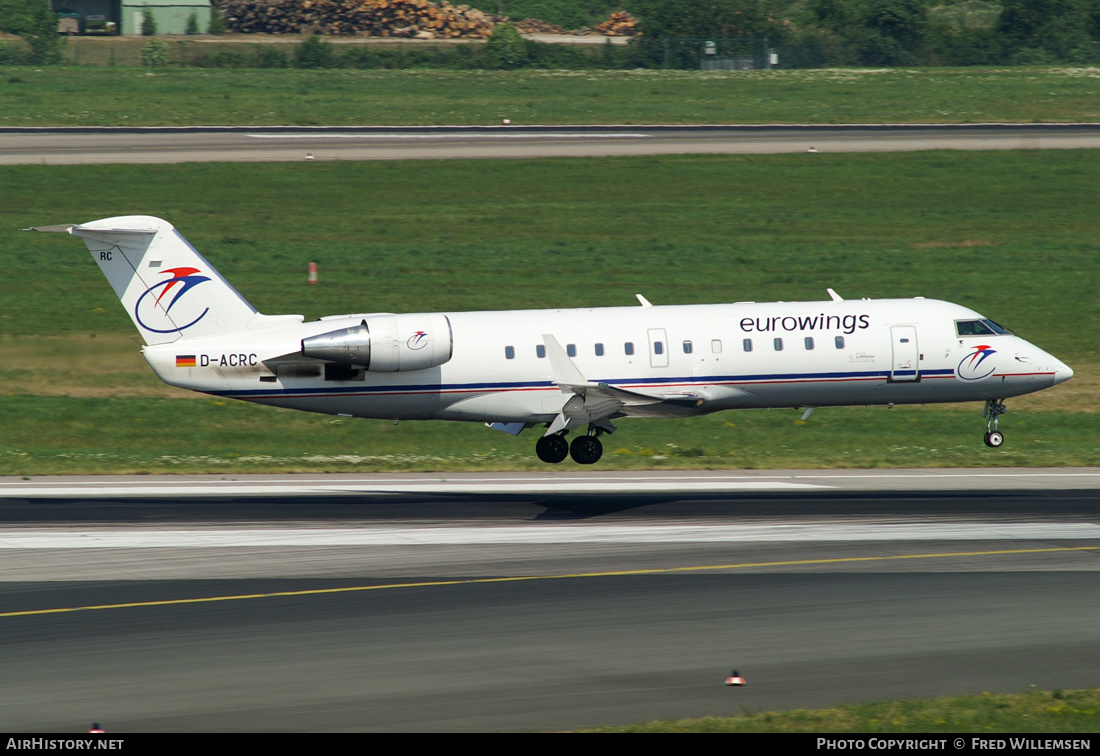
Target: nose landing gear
[{"x": 993, "y": 409}]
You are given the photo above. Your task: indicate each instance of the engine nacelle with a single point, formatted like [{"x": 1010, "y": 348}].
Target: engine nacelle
[{"x": 387, "y": 343}]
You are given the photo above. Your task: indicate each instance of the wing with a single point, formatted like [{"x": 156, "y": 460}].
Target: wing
[{"x": 598, "y": 402}]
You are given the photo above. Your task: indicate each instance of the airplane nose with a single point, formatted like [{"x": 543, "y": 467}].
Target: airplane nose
[{"x": 1062, "y": 372}]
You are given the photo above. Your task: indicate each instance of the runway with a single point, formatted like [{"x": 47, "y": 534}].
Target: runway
[
  {"x": 88, "y": 145},
  {"x": 546, "y": 601}
]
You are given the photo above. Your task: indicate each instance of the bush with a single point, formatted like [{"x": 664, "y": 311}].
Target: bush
[
  {"x": 314, "y": 52},
  {"x": 192, "y": 23},
  {"x": 226, "y": 59},
  {"x": 154, "y": 53},
  {"x": 506, "y": 49},
  {"x": 271, "y": 56},
  {"x": 12, "y": 54}
]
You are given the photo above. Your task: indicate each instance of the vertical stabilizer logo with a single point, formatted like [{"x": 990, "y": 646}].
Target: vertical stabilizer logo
[
  {"x": 976, "y": 365},
  {"x": 154, "y": 308}
]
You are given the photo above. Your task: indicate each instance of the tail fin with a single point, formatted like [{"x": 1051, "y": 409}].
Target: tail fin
[{"x": 169, "y": 290}]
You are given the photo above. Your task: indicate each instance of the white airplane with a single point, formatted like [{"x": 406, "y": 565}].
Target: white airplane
[{"x": 567, "y": 370}]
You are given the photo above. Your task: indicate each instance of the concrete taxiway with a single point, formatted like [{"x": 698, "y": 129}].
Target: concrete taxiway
[{"x": 78, "y": 145}]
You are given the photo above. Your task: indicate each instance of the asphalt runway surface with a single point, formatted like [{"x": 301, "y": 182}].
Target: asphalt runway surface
[
  {"x": 76, "y": 145},
  {"x": 542, "y": 601}
]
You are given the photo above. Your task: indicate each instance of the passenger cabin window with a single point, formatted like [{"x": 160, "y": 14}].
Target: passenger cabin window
[
  {"x": 571, "y": 350},
  {"x": 628, "y": 347},
  {"x": 658, "y": 347},
  {"x": 599, "y": 350},
  {"x": 509, "y": 352},
  {"x": 747, "y": 345},
  {"x": 839, "y": 341},
  {"x": 809, "y": 342},
  {"x": 778, "y": 344},
  {"x": 687, "y": 347},
  {"x": 540, "y": 351},
  {"x": 716, "y": 346}
]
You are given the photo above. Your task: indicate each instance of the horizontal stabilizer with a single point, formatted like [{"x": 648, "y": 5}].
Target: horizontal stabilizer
[{"x": 60, "y": 229}]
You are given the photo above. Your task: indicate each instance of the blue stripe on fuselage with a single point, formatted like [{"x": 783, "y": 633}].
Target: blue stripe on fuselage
[{"x": 521, "y": 385}]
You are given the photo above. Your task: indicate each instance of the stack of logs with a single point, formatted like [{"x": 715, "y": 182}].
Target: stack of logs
[
  {"x": 535, "y": 26},
  {"x": 621, "y": 24},
  {"x": 363, "y": 18}
]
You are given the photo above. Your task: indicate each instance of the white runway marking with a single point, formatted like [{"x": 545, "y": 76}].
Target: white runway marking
[
  {"x": 140, "y": 538},
  {"x": 517, "y": 135},
  {"x": 549, "y": 483},
  {"x": 379, "y": 488}
]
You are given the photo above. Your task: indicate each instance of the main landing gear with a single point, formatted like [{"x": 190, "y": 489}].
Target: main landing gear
[
  {"x": 994, "y": 408},
  {"x": 585, "y": 450}
]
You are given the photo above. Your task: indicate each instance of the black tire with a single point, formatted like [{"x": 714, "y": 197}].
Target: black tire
[
  {"x": 552, "y": 449},
  {"x": 586, "y": 450},
  {"x": 994, "y": 439}
]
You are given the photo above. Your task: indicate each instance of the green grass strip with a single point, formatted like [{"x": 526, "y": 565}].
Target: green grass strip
[
  {"x": 77, "y": 96},
  {"x": 1057, "y": 713}
]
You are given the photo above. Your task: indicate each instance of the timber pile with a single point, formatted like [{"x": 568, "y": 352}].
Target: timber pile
[
  {"x": 535, "y": 26},
  {"x": 621, "y": 24},
  {"x": 363, "y": 18}
]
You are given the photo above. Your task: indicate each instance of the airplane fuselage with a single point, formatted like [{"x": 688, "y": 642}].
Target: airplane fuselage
[{"x": 733, "y": 356}]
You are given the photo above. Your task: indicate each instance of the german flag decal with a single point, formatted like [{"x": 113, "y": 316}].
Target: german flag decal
[{"x": 185, "y": 360}]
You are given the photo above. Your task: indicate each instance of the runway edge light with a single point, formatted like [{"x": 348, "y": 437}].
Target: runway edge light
[{"x": 735, "y": 678}]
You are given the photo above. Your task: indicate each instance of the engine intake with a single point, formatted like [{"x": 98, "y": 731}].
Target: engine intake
[{"x": 387, "y": 343}]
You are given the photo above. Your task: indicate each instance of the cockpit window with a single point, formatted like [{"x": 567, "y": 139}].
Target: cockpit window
[
  {"x": 972, "y": 328},
  {"x": 979, "y": 328}
]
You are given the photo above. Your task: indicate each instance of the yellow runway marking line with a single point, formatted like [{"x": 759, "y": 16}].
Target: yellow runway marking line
[{"x": 521, "y": 578}]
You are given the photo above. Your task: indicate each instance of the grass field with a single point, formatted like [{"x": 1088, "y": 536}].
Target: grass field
[
  {"x": 127, "y": 96},
  {"x": 1057, "y": 712},
  {"x": 1011, "y": 234}
]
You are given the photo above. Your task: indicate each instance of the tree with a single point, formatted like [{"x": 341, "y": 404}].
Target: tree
[
  {"x": 704, "y": 19},
  {"x": 192, "y": 23},
  {"x": 36, "y": 24},
  {"x": 1062, "y": 29},
  {"x": 148, "y": 23},
  {"x": 217, "y": 21},
  {"x": 505, "y": 49}
]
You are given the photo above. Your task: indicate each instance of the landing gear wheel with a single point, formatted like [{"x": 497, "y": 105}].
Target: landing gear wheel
[
  {"x": 994, "y": 408},
  {"x": 586, "y": 450},
  {"x": 552, "y": 449}
]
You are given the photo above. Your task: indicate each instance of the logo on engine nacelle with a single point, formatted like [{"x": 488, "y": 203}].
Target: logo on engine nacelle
[{"x": 418, "y": 340}]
